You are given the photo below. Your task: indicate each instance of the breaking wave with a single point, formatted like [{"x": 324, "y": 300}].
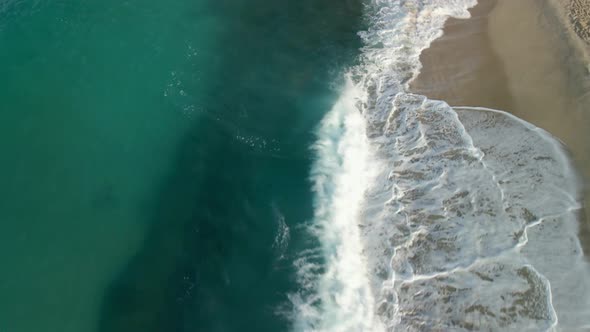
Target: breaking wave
[{"x": 432, "y": 217}]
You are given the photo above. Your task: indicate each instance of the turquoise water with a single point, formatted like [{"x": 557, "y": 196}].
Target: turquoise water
[{"x": 156, "y": 159}]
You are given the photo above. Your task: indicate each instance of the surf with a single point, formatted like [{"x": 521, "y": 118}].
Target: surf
[
  {"x": 433, "y": 216},
  {"x": 339, "y": 297}
]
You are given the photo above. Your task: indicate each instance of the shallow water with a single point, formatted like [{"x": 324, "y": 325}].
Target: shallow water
[{"x": 468, "y": 217}]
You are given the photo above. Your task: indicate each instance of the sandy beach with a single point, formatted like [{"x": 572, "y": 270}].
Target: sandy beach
[
  {"x": 575, "y": 15},
  {"x": 579, "y": 13},
  {"x": 522, "y": 57}
]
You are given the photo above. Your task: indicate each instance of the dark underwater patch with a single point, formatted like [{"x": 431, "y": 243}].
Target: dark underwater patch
[{"x": 208, "y": 262}]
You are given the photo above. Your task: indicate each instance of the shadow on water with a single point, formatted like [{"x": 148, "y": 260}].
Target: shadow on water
[{"x": 210, "y": 260}]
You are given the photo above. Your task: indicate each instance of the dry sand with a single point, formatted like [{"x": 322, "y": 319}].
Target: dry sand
[
  {"x": 522, "y": 57},
  {"x": 576, "y": 16},
  {"x": 579, "y": 14}
]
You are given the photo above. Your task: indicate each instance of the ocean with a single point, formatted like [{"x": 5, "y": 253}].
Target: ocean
[
  {"x": 157, "y": 157},
  {"x": 239, "y": 165}
]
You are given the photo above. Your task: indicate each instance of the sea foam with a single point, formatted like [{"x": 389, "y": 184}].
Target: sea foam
[
  {"x": 434, "y": 218},
  {"x": 336, "y": 294}
]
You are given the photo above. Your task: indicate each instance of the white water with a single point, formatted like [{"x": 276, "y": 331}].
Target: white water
[
  {"x": 433, "y": 218},
  {"x": 341, "y": 298}
]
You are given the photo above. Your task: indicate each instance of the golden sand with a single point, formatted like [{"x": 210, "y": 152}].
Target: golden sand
[{"x": 578, "y": 12}]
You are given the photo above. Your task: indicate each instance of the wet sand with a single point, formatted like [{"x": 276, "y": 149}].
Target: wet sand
[
  {"x": 461, "y": 67},
  {"x": 517, "y": 56}
]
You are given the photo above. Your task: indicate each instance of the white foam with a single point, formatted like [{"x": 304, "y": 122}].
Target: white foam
[
  {"x": 338, "y": 298},
  {"x": 434, "y": 218},
  {"x": 540, "y": 185},
  {"x": 470, "y": 190}
]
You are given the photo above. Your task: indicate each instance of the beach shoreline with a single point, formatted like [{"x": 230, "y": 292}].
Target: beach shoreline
[
  {"x": 524, "y": 58},
  {"x": 517, "y": 56}
]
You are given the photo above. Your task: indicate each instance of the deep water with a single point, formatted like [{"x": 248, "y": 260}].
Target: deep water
[
  {"x": 156, "y": 158},
  {"x": 217, "y": 256}
]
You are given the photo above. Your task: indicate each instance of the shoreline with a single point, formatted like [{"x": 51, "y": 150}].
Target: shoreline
[
  {"x": 516, "y": 56},
  {"x": 458, "y": 83}
]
